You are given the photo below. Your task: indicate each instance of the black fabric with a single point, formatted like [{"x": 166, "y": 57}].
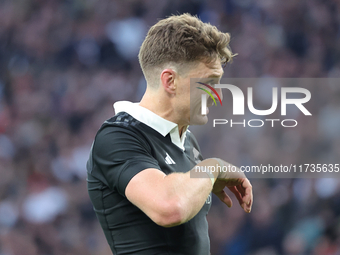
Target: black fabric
[{"x": 123, "y": 147}]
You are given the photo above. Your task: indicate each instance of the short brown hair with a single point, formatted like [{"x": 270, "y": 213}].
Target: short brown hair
[{"x": 183, "y": 39}]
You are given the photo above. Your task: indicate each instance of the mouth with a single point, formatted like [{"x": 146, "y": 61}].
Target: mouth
[{"x": 209, "y": 104}]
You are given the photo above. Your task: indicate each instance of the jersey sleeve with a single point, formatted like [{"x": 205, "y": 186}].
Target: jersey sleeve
[{"x": 120, "y": 154}]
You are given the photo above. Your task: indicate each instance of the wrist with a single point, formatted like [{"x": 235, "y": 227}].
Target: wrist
[
  {"x": 212, "y": 177},
  {"x": 220, "y": 165}
]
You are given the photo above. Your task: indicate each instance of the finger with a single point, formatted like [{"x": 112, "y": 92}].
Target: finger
[
  {"x": 246, "y": 203},
  {"x": 248, "y": 194},
  {"x": 246, "y": 190},
  {"x": 238, "y": 196},
  {"x": 241, "y": 190},
  {"x": 224, "y": 198},
  {"x": 244, "y": 199}
]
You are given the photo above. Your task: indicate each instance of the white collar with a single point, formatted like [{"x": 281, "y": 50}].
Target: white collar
[{"x": 152, "y": 120}]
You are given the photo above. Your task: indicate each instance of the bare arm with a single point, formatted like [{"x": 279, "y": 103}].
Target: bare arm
[{"x": 173, "y": 199}]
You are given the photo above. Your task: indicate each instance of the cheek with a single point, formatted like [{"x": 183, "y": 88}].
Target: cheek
[
  {"x": 196, "y": 101},
  {"x": 194, "y": 97}
]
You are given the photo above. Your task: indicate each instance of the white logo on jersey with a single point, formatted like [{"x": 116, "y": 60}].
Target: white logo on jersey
[{"x": 169, "y": 160}]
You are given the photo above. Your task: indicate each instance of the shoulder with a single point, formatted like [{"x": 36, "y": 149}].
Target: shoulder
[
  {"x": 120, "y": 130},
  {"x": 120, "y": 125}
]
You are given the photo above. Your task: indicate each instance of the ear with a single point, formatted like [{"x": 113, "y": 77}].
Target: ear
[{"x": 168, "y": 77}]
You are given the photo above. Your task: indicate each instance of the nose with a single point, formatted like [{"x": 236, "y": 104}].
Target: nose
[{"x": 219, "y": 92}]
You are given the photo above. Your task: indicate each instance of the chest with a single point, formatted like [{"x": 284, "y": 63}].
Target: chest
[{"x": 171, "y": 158}]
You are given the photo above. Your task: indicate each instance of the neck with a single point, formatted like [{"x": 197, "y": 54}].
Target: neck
[
  {"x": 181, "y": 130},
  {"x": 161, "y": 105}
]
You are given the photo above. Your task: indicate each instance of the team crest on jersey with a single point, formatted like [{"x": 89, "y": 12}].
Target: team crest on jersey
[{"x": 208, "y": 201}]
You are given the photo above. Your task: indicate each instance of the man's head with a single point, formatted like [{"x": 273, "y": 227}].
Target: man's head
[
  {"x": 173, "y": 51},
  {"x": 181, "y": 41}
]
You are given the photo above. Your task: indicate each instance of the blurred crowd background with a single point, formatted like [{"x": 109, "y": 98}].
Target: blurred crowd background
[{"x": 63, "y": 64}]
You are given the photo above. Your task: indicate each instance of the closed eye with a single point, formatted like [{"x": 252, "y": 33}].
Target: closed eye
[{"x": 211, "y": 82}]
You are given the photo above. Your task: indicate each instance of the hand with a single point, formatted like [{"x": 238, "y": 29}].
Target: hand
[{"x": 238, "y": 184}]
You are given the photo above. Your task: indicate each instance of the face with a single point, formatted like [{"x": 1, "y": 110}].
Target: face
[{"x": 188, "y": 96}]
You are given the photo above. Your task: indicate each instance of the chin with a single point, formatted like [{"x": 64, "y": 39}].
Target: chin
[{"x": 199, "y": 120}]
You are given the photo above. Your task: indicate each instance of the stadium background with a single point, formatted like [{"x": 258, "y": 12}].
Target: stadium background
[{"x": 63, "y": 64}]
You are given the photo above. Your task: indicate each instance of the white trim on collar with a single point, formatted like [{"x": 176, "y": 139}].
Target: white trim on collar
[{"x": 152, "y": 120}]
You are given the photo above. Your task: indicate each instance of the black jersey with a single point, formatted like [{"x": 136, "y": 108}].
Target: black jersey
[{"x": 122, "y": 148}]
